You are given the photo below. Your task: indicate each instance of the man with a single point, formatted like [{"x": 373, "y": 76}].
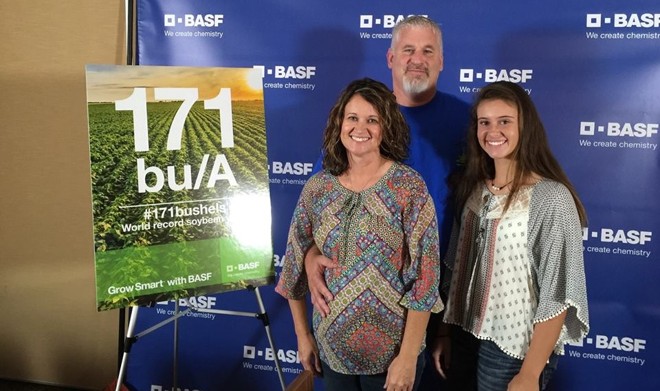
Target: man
[{"x": 437, "y": 124}]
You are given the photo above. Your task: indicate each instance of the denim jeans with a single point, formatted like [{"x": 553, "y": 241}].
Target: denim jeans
[
  {"x": 496, "y": 368},
  {"x": 462, "y": 373},
  {"x": 334, "y": 381}
]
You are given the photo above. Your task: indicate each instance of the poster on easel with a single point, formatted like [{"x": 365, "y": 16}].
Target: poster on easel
[{"x": 180, "y": 187}]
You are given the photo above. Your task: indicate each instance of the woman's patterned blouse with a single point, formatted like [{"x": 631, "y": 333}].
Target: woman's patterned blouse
[{"x": 385, "y": 238}]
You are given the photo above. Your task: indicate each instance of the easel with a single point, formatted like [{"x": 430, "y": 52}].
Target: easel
[{"x": 131, "y": 337}]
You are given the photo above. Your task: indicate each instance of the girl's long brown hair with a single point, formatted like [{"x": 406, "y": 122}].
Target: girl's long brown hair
[{"x": 532, "y": 154}]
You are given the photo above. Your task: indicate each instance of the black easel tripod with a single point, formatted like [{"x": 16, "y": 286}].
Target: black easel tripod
[{"x": 131, "y": 337}]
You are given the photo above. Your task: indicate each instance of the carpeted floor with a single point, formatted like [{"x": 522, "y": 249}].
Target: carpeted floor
[{"x": 9, "y": 385}]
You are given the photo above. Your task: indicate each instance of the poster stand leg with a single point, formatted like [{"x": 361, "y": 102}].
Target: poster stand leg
[
  {"x": 175, "y": 348},
  {"x": 131, "y": 337},
  {"x": 263, "y": 316}
]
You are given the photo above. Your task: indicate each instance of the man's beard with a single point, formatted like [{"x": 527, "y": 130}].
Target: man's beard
[{"x": 414, "y": 86}]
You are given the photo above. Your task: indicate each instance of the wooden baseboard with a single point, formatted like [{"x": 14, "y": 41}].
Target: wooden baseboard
[{"x": 303, "y": 382}]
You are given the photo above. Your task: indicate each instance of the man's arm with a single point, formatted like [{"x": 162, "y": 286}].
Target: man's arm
[
  {"x": 315, "y": 264},
  {"x": 307, "y": 348}
]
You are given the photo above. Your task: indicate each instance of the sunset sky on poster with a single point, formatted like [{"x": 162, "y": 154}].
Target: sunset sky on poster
[{"x": 108, "y": 83}]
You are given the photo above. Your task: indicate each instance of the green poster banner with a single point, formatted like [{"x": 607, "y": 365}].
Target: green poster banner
[{"x": 179, "y": 175}]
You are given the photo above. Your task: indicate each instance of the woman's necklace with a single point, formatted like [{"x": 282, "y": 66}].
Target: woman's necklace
[{"x": 498, "y": 188}]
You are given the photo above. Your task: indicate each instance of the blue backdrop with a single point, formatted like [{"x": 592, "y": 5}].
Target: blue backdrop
[{"x": 593, "y": 69}]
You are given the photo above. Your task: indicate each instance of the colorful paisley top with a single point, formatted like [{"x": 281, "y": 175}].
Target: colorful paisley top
[{"x": 386, "y": 240}]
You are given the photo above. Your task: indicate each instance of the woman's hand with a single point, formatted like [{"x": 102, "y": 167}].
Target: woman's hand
[
  {"x": 401, "y": 374},
  {"x": 309, "y": 353},
  {"x": 440, "y": 353},
  {"x": 520, "y": 382}
]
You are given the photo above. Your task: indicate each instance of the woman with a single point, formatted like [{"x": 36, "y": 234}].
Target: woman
[
  {"x": 517, "y": 270},
  {"x": 373, "y": 215}
]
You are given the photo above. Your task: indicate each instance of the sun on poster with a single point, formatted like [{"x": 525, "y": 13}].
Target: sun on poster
[{"x": 180, "y": 186}]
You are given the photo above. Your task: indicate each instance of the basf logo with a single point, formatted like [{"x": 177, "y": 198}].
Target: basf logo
[
  {"x": 469, "y": 76},
  {"x": 623, "y": 26},
  {"x": 611, "y": 134},
  {"x": 255, "y": 359},
  {"x": 193, "y": 25},
  {"x": 617, "y": 241},
  {"x": 492, "y": 75},
  {"x": 193, "y": 20},
  {"x": 646, "y": 20},
  {"x": 197, "y": 305},
  {"x": 288, "y": 77},
  {"x": 290, "y": 173},
  {"x": 379, "y": 26},
  {"x": 278, "y": 260},
  {"x": 384, "y": 21},
  {"x": 289, "y": 356},
  {"x": 158, "y": 387},
  {"x": 624, "y": 350}
]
